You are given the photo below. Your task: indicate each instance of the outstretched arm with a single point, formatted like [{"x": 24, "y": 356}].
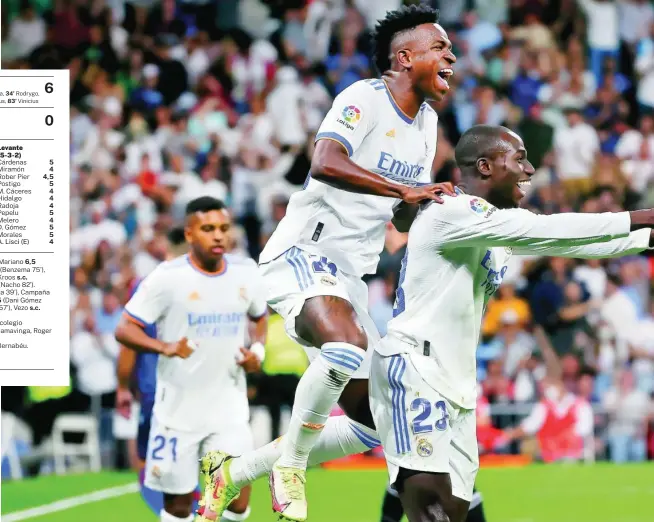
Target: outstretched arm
[
  {"x": 634, "y": 243},
  {"x": 471, "y": 221}
]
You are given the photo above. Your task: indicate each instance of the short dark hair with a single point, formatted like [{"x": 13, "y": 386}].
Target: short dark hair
[
  {"x": 176, "y": 236},
  {"x": 398, "y": 21},
  {"x": 479, "y": 141},
  {"x": 204, "y": 204}
]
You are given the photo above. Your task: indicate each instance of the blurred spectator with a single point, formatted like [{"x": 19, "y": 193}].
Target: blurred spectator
[
  {"x": 560, "y": 305},
  {"x": 644, "y": 66},
  {"x": 26, "y": 32},
  {"x": 93, "y": 353},
  {"x": 618, "y": 310},
  {"x": 482, "y": 109},
  {"x": 107, "y": 317},
  {"x": 636, "y": 150},
  {"x": 506, "y": 301},
  {"x": 602, "y": 32},
  {"x": 629, "y": 410},
  {"x": 576, "y": 147},
  {"x": 480, "y": 35},
  {"x": 347, "y": 66},
  {"x": 636, "y": 16},
  {"x": 641, "y": 351},
  {"x": 285, "y": 106},
  {"x": 561, "y": 421}
]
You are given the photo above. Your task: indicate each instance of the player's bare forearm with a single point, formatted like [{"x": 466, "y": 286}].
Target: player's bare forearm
[
  {"x": 133, "y": 336},
  {"x": 331, "y": 164},
  {"x": 259, "y": 329},
  {"x": 404, "y": 215},
  {"x": 125, "y": 366},
  {"x": 641, "y": 219}
]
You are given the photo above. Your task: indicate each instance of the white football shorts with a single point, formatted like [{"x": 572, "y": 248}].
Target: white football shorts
[
  {"x": 172, "y": 463},
  {"x": 420, "y": 429},
  {"x": 296, "y": 276}
]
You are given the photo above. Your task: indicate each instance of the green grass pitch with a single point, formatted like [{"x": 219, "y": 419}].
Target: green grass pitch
[{"x": 574, "y": 493}]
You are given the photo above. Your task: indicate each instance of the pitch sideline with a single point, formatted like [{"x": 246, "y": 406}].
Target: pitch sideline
[{"x": 71, "y": 502}]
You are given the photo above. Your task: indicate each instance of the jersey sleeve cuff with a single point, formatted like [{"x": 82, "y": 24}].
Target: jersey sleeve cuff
[
  {"x": 642, "y": 239},
  {"x": 136, "y": 319},
  {"x": 256, "y": 317},
  {"x": 334, "y": 136}
]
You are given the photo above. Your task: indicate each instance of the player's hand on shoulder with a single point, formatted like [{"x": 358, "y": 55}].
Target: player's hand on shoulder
[
  {"x": 249, "y": 362},
  {"x": 428, "y": 192},
  {"x": 182, "y": 349}
]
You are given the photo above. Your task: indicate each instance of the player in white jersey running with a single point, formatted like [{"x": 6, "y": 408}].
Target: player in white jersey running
[
  {"x": 203, "y": 304},
  {"x": 374, "y": 151},
  {"x": 423, "y": 387}
]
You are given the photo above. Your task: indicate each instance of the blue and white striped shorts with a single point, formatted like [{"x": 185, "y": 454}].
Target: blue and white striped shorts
[
  {"x": 296, "y": 276},
  {"x": 420, "y": 429}
]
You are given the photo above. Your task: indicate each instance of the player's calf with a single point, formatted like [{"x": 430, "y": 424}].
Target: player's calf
[
  {"x": 330, "y": 323},
  {"x": 239, "y": 509}
]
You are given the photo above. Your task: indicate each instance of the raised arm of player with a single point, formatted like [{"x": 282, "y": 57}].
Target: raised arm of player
[
  {"x": 351, "y": 118},
  {"x": 634, "y": 243},
  {"x": 471, "y": 221}
]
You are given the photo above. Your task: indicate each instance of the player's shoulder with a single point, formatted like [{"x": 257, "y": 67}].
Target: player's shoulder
[
  {"x": 363, "y": 90},
  {"x": 176, "y": 263},
  {"x": 461, "y": 206},
  {"x": 168, "y": 268},
  {"x": 241, "y": 263}
]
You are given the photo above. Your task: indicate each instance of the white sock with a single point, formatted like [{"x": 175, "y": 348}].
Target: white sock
[
  {"x": 230, "y": 516},
  {"x": 164, "y": 516},
  {"x": 318, "y": 391},
  {"x": 340, "y": 438}
]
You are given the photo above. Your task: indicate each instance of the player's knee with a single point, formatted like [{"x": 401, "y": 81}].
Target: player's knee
[{"x": 328, "y": 319}]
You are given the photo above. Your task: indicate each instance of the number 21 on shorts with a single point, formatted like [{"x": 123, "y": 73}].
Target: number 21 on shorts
[
  {"x": 426, "y": 420},
  {"x": 163, "y": 448}
]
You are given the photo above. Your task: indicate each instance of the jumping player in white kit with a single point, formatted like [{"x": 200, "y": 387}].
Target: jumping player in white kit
[
  {"x": 423, "y": 387},
  {"x": 373, "y": 159},
  {"x": 202, "y": 304}
]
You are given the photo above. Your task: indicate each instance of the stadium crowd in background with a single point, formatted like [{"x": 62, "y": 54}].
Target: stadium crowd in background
[{"x": 175, "y": 99}]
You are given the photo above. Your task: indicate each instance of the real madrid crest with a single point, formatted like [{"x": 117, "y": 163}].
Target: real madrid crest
[{"x": 424, "y": 448}]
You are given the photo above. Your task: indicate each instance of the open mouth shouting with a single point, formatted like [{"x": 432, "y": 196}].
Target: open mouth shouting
[{"x": 443, "y": 78}]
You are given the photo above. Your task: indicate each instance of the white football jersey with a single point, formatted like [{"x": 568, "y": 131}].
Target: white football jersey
[
  {"x": 212, "y": 311},
  {"x": 456, "y": 259},
  {"x": 346, "y": 227}
]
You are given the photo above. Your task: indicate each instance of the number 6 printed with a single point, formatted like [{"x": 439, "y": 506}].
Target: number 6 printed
[{"x": 422, "y": 423}]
